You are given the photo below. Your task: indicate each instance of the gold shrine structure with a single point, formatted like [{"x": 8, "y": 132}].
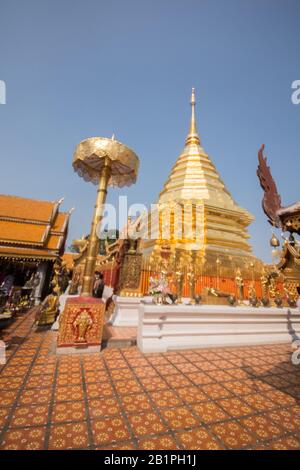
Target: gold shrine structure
[{"x": 197, "y": 224}]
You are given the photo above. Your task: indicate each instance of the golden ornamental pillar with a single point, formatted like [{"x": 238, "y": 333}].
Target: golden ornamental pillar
[
  {"x": 104, "y": 162},
  {"x": 94, "y": 241}
]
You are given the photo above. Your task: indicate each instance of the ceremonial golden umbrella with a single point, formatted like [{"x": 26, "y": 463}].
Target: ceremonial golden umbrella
[{"x": 105, "y": 162}]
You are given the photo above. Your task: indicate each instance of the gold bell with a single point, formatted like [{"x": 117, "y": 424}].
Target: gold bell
[{"x": 274, "y": 242}]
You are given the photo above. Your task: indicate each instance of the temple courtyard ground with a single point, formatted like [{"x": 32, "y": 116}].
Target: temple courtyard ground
[{"x": 221, "y": 398}]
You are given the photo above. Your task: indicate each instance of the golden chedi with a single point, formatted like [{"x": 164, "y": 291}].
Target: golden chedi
[{"x": 196, "y": 214}]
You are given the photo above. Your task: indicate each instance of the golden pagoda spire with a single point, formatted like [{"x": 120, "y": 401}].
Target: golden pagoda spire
[{"x": 193, "y": 137}]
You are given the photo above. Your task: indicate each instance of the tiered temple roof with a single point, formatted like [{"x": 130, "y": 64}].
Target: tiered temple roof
[{"x": 31, "y": 229}]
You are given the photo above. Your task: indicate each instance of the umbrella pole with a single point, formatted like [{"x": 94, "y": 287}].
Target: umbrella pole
[{"x": 93, "y": 245}]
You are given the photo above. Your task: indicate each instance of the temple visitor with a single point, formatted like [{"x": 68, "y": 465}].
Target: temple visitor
[{"x": 98, "y": 287}]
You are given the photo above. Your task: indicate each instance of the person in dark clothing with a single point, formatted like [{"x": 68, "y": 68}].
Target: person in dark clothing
[{"x": 98, "y": 287}]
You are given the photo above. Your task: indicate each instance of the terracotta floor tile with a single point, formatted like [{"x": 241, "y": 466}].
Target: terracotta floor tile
[
  {"x": 42, "y": 369},
  {"x": 8, "y": 397},
  {"x": 70, "y": 378},
  {"x": 68, "y": 411},
  {"x": 179, "y": 418},
  {"x": 289, "y": 418},
  {"x": 121, "y": 374},
  {"x": 286, "y": 443},
  {"x": 11, "y": 383},
  {"x": 187, "y": 368},
  {"x": 35, "y": 415},
  {"x": 96, "y": 376},
  {"x": 10, "y": 371},
  {"x": 62, "y": 369},
  {"x": 69, "y": 436},
  {"x": 235, "y": 407},
  {"x": 122, "y": 364},
  {"x": 258, "y": 385},
  {"x": 4, "y": 413},
  {"x": 126, "y": 387},
  {"x": 145, "y": 372},
  {"x": 93, "y": 365},
  {"x": 103, "y": 407},
  {"x": 200, "y": 378},
  {"x": 238, "y": 387},
  {"x": 198, "y": 439},
  {"x": 238, "y": 374},
  {"x": 192, "y": 355},
  {"x": 177, "y": 359},
  {"x": 165, "y": 399},
  {"x": 294, "y": 391},
  {"x": 68, "y": 393},
  {"x": 166, "y": 369},
  {"x": 158, "y": 361},
  {"x": 178, "y": 380},
  {"x": 109, "y": 430},
  {"x": 233, "y": 435},
  {"x": 24, "y": 439},
  {"x": 206, "y": 366},
  {"x": 98, "y": 390},
  {"x": 216, "y": 391},
  {"x": 145, "y": 424},
  {"x": 192, "y": 394},
  {"x": 223, "y": 364},
  {"x": 136, "y": 403},
  {"x": 210, "y": 412},
  {"x": 262, "y": 427},
  {"x": 219, "y": 375},
  {"x": 260, "y": 402},
  {"x": 154, "y": 383},
  {"x": 35, "y": 396},
  {"x": 163, "y": 442},
  {"x": 39, "y": 381},
  {"x": 209, "y": 355}
]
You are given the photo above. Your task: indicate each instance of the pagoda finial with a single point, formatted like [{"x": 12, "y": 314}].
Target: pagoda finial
[{"x": 193, "y": 136}]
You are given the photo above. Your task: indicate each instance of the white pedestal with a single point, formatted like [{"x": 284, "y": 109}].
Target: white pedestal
[
  {"x": 126, "y": 312},
  {"x": 162, "y": 328}
]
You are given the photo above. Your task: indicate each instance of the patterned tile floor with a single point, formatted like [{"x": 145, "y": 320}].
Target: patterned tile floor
[{"x": 224, "y": 398}]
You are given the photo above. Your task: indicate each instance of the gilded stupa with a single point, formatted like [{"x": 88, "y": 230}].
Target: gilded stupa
[{"x": 195, "y": 213}]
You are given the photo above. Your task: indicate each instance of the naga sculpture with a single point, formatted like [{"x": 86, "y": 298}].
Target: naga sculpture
[{"x": 285, "y": 218}]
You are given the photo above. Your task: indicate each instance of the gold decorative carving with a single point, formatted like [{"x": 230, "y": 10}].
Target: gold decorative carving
[
  {"x": 82, "y": 323},
  {"x": 130, "y": 273}
]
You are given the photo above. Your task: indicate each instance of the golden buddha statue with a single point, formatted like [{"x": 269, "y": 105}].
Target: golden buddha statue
[{"x": 49, "y": 308}]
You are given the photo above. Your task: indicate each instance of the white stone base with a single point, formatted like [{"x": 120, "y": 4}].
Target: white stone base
[
  {"x": 126, "y": 312},
  {"x": 162, "y": 328}
]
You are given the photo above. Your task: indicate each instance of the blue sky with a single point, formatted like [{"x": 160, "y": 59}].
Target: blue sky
[{"x": 76, "y": 69}]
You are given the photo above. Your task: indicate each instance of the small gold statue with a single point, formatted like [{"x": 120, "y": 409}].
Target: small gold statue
[
  {"x": 49, "y": 308},
  {"x": 290, "y": 293},
  {"x": 275, "y": 296},
  {"x": 240, "y": 285},
  {"x": 253, "y": 300},
  {"x": 264, "y": 284}
]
